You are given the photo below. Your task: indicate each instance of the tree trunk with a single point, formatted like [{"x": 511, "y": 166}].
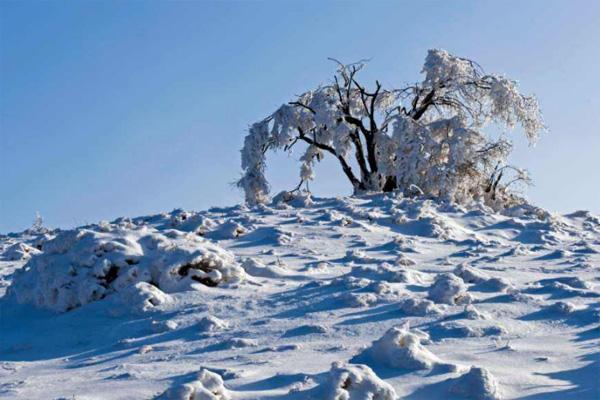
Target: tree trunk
[{"x": 390, "y": 184}]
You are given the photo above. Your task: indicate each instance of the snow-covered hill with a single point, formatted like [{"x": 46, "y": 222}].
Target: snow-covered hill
[{"x": 372, "y": 297}]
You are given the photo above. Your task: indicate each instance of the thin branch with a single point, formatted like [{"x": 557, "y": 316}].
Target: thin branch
[
  {"x": 299, "y": 104},
  {"x": 345, "y": 167}
]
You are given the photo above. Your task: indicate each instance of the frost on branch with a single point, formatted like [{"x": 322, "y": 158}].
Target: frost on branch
[{"x": 424, "y": 139}]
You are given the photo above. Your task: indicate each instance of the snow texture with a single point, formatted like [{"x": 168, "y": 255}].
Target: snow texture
[
  {"x": 401, "y": 348},
  {"x": 477, "y": 384},
  {"x": 85, "y": 265},
  {"x": 207, "y": 386},
  {"x": 400, "y": 294},
  {"x": 424, "y": 139},
  {"x": 355, "y": 382}
]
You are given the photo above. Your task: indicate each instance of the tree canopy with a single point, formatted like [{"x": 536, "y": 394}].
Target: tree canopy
[{"x": 426, "y": 138}]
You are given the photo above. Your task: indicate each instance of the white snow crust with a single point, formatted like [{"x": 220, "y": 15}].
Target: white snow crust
[{"x": 367, "y": 297}]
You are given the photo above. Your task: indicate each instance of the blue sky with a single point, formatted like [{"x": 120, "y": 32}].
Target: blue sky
[{"x": 118, "y": 108}]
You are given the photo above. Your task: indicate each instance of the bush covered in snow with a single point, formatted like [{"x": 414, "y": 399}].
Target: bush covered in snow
[{"x": 83, "y": 265}]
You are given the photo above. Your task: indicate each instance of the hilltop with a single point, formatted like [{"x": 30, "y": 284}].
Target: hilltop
[{"x": 306, "y": 298}]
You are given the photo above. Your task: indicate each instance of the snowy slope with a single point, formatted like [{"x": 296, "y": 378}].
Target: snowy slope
[{"x": 374, "y": 297}]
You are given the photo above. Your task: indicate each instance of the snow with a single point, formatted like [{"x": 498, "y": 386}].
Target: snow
[
  {"x": 401, "y": 348},
  {"x": 426, "y": 138},
  {"x": 449, "y": 289},
  {"x": 476, "y": 384},
  {"x": 85, "y": 265},
  {"x": 355, "y": 382},
  {"x": 207, "y": 386},
  {"x": 499, "y": 306}
]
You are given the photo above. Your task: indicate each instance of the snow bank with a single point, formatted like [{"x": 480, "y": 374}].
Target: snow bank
[
  {"x": 354, "y": 382},
  {"x": 476, "y": 384},
  {"x": 83, "y": 265},
  {"x": 207, "y": 386},
  {"x": 401, "y": 348}
]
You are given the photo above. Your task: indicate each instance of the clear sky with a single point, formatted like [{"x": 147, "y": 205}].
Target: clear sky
[{"x": 124, "y": 108}]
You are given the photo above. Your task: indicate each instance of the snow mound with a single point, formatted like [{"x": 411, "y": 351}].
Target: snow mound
[
  {"x": 386, "y": 272},
  {"x": 84, "y": 265},
  {"x": 416, "y": 306},
  {"x": 227, "y": 230},
  {"x": 449, "y": 289},
  {"x": 355, "y": 382},
  {"x": 476, "y": 384},
  {"x": 300, "y": 199},
  {"x": 19, "y": 251},
  {"x": 471, "y": 312},
  {"x": 470, "y": 274},
  {"x": 358, "y": 300},
  {"x": 307, "y": 329},
  {"x": 401, "y": 348},
  {"x": 256, "y": 268},
  {"x": 207, "y": 386},
  {"x": 239, "y": 343},
  {"x": 188, "y": 221},
  {"x": 139, "y": 298},
  {"x": 405, "y": 261},
  {"x": 359, "y": 256},
  {"x": 457, "y": 329},
  {"x": 210, "y": 323}
]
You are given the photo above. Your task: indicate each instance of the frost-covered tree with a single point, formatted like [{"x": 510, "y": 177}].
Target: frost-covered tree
[{"x": 423, "y": 139}]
